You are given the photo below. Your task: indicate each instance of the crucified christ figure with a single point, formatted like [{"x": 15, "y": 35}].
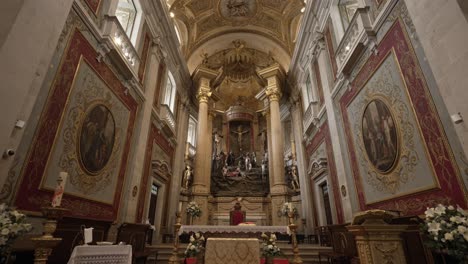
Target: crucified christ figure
[{"x": 239, "y": 134}]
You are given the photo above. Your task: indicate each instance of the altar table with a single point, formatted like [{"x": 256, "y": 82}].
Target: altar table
[
  {"x": 232, "y": 251},
  {"x": 233, "y": 230},
  {"x": 112, "y": 254}
]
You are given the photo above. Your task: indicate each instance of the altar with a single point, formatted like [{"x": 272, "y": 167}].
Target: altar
[
  {"x": 232, "y": 250},
  {"x": 239, "y": 231}
]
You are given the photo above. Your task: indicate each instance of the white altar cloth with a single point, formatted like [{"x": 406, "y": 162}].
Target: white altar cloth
[
  {"x": 112, "y": 254},
  {"x": 233, "y": 229},
  {"x": 232, "y": 251}
]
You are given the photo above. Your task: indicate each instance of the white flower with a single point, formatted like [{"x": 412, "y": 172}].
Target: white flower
[
  {"x": 192, "y": 239},
  {"x": 434, "y": 227},
  {"x": 273, "y": 236},
  {"x": 461, "y": 229},
  {"x": 457, "y": 219},
  {"x": 192, "y": 247},
  {"x": 448, "y": 236},
  {"x": 465, "y": 235},
  {"x": 450, "y": 207},
  {"x": 5, "y": 231},
  {"x": 429, "y": 212},
  {"x": 460, "y": 210},
  {"x": 440, "y": 209},
  {"x": 270, "y": 246},
  {"x": 197, "y": 235}
]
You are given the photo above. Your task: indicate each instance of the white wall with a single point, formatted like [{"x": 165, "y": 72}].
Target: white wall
[
  {"x": 25, "y": 56},
  {"x": 443, "y": 32}
]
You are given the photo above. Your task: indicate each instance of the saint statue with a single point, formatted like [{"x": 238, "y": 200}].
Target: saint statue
[
  {"x": 187, "y": 177},
  {"x": 217, "y": 142},
  {"x": 294, "y": 178}
]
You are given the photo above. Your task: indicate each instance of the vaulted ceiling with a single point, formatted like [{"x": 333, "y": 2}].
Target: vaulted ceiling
[{"x": 207, "y": 27}]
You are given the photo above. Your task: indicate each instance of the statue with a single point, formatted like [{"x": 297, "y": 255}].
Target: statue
[
  {"x": 239, "y": 134},
  {"x": 237, "y": 8},
  {"x": 294, "y": 178},
  {"x": 230, "y": 159},
  {"x": 263, "y": 140},
  {"x": 217, "y": 142},
  {"x": 248, "y": 164},
  {"x": 253, "y": 159},
  {"x": 187, "y": 177}
]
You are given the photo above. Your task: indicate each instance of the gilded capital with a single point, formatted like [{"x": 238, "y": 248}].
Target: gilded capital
[
  {"x": 273, "y": 93},
  {"x": 203, "y": 95}
]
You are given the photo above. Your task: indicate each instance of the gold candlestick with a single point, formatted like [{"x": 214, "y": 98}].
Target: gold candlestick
[
  {"x": 44, "y": 244},
  {"x": 174, "y": 259},
  {"x": 293, "y": 227}
]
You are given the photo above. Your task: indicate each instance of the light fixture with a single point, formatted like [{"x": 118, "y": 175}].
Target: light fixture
[
  {"x": 171, "y": 14},
  {"x": 302, "y": 10},
  {"x": 347, "y": 48}
]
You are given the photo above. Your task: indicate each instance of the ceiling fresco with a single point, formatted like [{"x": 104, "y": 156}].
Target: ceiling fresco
[{"x": 202, "y": 20}]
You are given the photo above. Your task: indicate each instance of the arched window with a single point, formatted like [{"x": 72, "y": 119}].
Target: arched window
[
  {"x": 129, "y": 15},
  {"x": 170, "y": 92},
  {"x": 347, "y": 9},
  {"x": 192, "y": 131}
]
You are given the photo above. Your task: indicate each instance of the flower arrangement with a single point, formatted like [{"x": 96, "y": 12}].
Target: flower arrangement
[
  {"x": 12, "y": 225},
  {"x": 195, "y": 246},
  {"x": 269, "y": 247},
  {"x": 193, "y": 209},
  {"x": 447, "y": 230},
  {"x": 288, "y": 207}
]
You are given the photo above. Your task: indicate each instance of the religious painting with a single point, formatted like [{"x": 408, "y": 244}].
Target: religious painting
[
  {"x": 390, "y": 153},
  {"x": 96, "y": 138},
  {"x": 237, "y": 10},
  {"x": 379, "y": 135},
  {"x": 90, "y": 142},
  {"x": 85, "y": 129},
  {"x": 424, "y": 172}
]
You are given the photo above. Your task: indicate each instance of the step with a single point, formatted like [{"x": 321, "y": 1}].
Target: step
[{"x": 308, "y": 252}]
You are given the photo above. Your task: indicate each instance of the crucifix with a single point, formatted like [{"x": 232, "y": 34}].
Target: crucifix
[{"x": 239, "y": 132}]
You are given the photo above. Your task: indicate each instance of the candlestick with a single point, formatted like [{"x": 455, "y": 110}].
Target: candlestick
[
  {"x": 60, "y": 189},
  {"x": 180, "y": 206}
]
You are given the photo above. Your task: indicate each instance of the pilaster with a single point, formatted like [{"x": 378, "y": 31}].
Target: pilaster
[
  {"x": 279, "y": 191},
  {"x": 201, "y": 185}
]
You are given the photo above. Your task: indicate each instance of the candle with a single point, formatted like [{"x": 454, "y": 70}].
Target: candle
[
  {"x": 59, "y": 190},
  {"x": 180, "y": 206},
  {"x": 290, "y": 206}
]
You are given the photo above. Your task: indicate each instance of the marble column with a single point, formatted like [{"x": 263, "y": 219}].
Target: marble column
[
  {"x": 301, "y": 162},
  {"x": 201, "y": 184},
  {"x": 179, "y": 163},
  {"x": 270, "y": 165},
  {"x": 279, "y": 192}
]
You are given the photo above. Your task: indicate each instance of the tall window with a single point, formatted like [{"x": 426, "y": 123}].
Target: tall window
[
  {"x": 170, "y": 92},
  {"x": 307, "y": 92},
  {"x": 347, "y": 9},
  {"x": 192, "y": 131},
  {"x": 126, "y": 14},
  {"x": 130, "y": 17}
]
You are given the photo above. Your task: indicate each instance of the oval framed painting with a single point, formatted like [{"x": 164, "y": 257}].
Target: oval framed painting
[
  {"x": 96, "y": 138},
  {"x": 380, "y": 136}
]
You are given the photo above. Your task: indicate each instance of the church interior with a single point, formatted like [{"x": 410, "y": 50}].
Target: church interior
[{"x": 335, "y": 127}]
